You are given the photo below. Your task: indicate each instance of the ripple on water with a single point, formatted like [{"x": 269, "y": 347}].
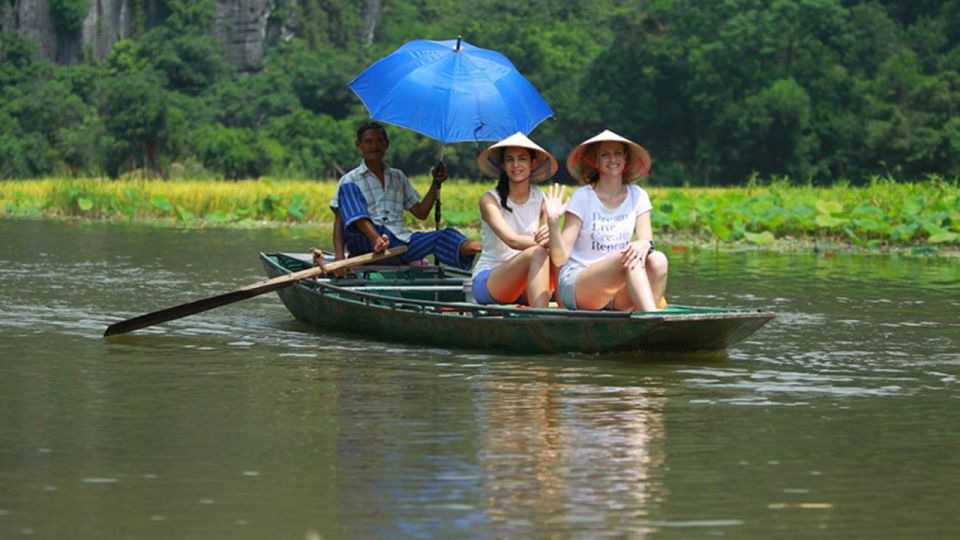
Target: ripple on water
[
  {"x": 695, "y": 523},
  {"x": 585, "y": 439},
  {"x": 101, "y": 480},
  {"x": 790, "y": 388},
  {"x": 298, "y": 355}
]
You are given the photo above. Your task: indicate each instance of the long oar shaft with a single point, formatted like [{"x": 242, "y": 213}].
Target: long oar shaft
[{"x": 255, "y": 289}]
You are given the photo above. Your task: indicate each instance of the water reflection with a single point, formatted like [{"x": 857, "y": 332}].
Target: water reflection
[
  {"x": 838, "y": 417},
  {"x": 562, "y": 457}
]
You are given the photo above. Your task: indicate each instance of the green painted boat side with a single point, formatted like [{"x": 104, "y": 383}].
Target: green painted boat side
[{"x": 427, "y": 306}]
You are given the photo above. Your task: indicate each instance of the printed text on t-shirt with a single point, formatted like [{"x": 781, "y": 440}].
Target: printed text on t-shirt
[{"x": 608, "y": 234}]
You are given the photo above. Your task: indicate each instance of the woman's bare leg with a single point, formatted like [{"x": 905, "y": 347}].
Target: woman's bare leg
[
  {"x": 527, "y": 270},
  {"x": 598, "y": 283},
  {"x": 657, "y": 267},
  {"x": 629, "y": 289}
]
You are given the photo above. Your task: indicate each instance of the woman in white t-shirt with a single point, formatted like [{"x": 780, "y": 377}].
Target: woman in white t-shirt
[
  {"x": 601, "y": 266},
  {"x": 514, "y": 265}
]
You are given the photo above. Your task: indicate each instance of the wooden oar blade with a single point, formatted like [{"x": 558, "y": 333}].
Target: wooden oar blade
[
  {"x": 184, "y": 310},
  {"x": 256, "y": 289}
]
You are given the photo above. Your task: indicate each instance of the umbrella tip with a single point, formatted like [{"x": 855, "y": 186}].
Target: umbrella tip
[{"x": 457, "y": 48}]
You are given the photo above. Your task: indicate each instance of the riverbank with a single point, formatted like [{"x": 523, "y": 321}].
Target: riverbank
[{"x": 921, "y": 218}]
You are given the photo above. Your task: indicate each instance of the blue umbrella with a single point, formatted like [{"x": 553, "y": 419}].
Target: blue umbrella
[{"x": 451, "y": 91}]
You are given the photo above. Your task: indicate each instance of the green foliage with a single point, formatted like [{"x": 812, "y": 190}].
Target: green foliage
[
  {"x": 810, "y": 89},
  {"x": 765, "y": 238},
  {"x": 880, "y": 215},
  {"x": 231, "y": 150},
  {"x": 191, "y": 63},
  {"x": 68, "y": 15},
  {"x": 815, "y": 90},
  {"x": 139, "y": 116},
  {"x": 17, "y": 56}
]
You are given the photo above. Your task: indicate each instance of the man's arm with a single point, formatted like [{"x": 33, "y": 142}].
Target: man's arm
[
  {"x": 380, "y": 242},
  {"x": 422, "y": 209}
]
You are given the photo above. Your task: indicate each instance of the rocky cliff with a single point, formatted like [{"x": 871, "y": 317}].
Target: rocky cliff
[{"x": 244, "y": 27}]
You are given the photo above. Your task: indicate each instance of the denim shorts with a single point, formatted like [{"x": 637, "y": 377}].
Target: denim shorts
[
  {"x": 481, "y": 294},
  {"x": 567, "y": 285},
  {"x": 567, "y": 288}
]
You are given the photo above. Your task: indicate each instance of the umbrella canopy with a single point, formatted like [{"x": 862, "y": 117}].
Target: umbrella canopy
[{"x": 451, "y": 91}]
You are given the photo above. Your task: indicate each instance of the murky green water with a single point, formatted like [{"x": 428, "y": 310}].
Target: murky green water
[{"x": 840, "y": 419}]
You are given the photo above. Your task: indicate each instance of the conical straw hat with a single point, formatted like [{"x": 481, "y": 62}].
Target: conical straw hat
[
  {"x": 545, "y": 167},
  {"x": 580, "y": 164}
]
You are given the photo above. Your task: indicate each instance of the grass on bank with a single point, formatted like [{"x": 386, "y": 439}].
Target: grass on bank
[{"x": 880, "y": 215}]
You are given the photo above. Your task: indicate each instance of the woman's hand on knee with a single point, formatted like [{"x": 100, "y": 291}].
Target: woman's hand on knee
[{"x": 633, "y": 255}]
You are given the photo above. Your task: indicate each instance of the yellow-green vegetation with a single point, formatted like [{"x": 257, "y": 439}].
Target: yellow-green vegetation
[
  {"x": 924, "y": 215},
  {"x": 881, "y": 214},
  {"x": 189, "y": 203}
]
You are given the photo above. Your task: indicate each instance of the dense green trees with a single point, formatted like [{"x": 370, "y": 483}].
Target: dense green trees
[
  {"x": 720, "y": 91},
  {"x": 808, "y": 89}
]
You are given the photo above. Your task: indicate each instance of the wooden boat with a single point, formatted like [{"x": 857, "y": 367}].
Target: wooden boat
[{"x": 428, "y": 306}]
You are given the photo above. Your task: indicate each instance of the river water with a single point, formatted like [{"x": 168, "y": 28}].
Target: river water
[{"x": 839, "y": 419}]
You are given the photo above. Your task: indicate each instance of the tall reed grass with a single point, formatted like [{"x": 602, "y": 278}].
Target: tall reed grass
[{"x": 883, "y": 213}]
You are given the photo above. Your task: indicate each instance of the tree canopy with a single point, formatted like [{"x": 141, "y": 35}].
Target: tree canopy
[{"x": 719, "y": 92}]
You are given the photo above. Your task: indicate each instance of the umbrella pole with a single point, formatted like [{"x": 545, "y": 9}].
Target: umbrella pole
[
  {"x": 436, "y": 204},
  {"x": 436, "y": 209}
]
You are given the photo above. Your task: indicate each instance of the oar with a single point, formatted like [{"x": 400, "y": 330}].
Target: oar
[{"x": 183, "y": 310}]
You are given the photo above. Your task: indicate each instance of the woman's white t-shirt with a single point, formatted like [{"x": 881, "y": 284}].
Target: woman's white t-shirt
[
  {"x": 524, "y": 220},
  {"x": 604, "y": 230}
]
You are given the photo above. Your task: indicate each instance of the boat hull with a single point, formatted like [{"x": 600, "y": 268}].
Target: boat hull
[{"x": 429, "y": 310}]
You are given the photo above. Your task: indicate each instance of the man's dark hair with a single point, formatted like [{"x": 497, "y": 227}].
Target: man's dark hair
[{"x": 371, "y": 125}]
